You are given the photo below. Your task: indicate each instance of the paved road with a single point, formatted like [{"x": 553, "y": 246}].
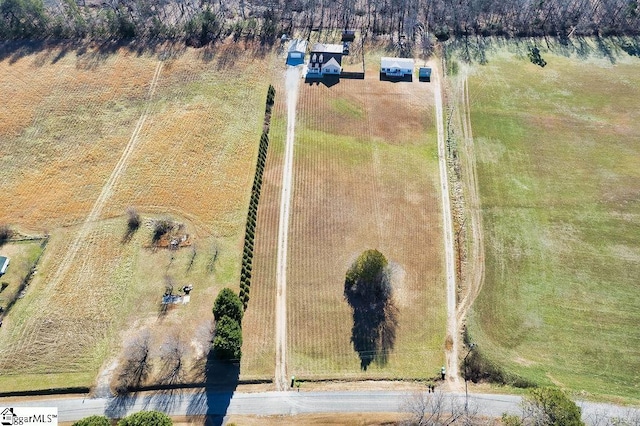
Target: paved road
[{"x": 284, "y": 403}]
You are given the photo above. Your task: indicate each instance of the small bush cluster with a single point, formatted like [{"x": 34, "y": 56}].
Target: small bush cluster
[
  {"x": 133, "y": 223},
  {"x": 252, "y": 216},
  {"x": 133, "y": 219},
  {"x": 534, "y": 57},
  {"x": 141, "y": 418},
  {"x": 271, "y": 97},
  {"x": 93, "y": 421},
  {"x": 478, "y": 368},
  {"x": 228, "y": 311},
  {"x": 161, "y": 227},
  {"x": 146, "y": 418}
]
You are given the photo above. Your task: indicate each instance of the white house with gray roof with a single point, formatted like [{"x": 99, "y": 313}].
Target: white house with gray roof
[{"x": 396, "y": 67}]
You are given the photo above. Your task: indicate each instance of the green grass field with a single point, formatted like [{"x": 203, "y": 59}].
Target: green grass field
[{"x": 558, "y": 159}]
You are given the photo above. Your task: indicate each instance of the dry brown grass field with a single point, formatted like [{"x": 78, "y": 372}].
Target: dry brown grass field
[
  {"x": 365, "y": 176},
  {"x": 83, "y": 137}
]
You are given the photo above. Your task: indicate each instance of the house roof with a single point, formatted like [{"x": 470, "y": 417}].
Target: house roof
[
  {"x": 424, "y": 72},
  {"x": 327, "y": 48},
  {"x": 331, "y": 63},
  {"x": 387, "y": 62},
  {"x": 298, "y": 45}
]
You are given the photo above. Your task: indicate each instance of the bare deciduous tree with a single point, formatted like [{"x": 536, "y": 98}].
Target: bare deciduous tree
[
  {"x": 161, "y": 227},
  {"x": 133, "y": 223},
  {"x": 172, "y": 354},
  {"x": 631, "y": 417},
  {"x": 436, "y": 409},
  {"x": 136, "y": 366},
  {"x": 133, "y": 219},
  {"x": 5, "y": 234}
]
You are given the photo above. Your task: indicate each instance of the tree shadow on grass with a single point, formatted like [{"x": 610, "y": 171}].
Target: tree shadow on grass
[
  {"x": 374, "y": 329},
  {"x": 221, "y": 380},
  {"x": 478, "y": 50},
  {"x": 89, "y": 53}
]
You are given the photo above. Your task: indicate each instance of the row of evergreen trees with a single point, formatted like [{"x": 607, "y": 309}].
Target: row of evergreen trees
[
  {"x": 229, "y": 307},
  {"x": 252, "y": 215}
]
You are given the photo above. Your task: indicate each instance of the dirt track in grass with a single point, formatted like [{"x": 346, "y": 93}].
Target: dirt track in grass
[{"x": 292, "y": 85}]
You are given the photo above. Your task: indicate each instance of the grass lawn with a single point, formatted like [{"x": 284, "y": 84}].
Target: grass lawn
[
  {"x": 558, "y": 159},
  {"x": 365, "y": 176},
  {"x": 65, "y": 127},
  {"x": 22, "y": 256}
]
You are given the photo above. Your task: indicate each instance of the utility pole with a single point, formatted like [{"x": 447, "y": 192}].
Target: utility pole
[{"x": 466, "y": 390}]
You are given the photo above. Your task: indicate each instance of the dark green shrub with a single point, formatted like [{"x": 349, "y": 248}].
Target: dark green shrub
[
  {"x": 228, "y": 304},
  {"x": 227, "y": 344},
  {"x": 534, "y": 57},
  {"x": 93, "y": 421},
  {"x": 146, "y": 418}
]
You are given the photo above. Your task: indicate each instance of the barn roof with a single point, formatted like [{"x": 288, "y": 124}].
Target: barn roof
[
  {"x": 387, "y": 62},
  {"x": 298, "y": 45},
  {"x": 327, "y": 48}
]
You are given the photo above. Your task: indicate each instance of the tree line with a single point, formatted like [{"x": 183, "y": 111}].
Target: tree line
[{"x": 203, "y": 22}]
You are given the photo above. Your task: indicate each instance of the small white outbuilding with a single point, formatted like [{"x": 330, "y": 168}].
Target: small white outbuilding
[
  {"x": 396, "y": 67},
  {"x": 4, "y": 264}
]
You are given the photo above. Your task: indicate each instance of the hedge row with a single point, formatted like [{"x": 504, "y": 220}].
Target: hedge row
[{"x": 252, "y": 216}]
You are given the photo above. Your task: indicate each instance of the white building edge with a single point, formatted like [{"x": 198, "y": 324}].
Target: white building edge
[{"x": 396, "y": 67}]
